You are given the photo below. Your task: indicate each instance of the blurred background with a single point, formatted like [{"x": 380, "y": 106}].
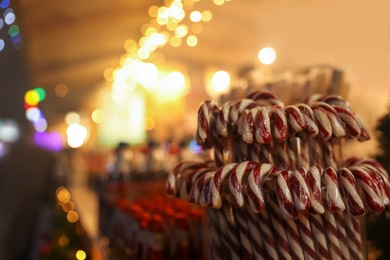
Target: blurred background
[{"x": 85, "y": 76}]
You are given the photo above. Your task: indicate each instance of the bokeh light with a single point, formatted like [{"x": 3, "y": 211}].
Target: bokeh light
[
  {"x": 68, "y": 206},
  {"x": 72, "y": 216},
  {"x": 63, "y": 194},
  {"x": 9, "y": 131},
  {"x": 33, "y": 114},
  {"x": 61, "y": 90},
  {"x": 9, "y": 16},
  {"x": 192, "y": 40},
  {"x": 41, "y": 92},
  {"x": 40, "y": 125},
  {"x": 72, "y": 118},
  {"x": 81, "y": 255},
  {"x": 196, "y": 16},
  {"x": 31, "y": 97},
  {"x": 13, "y": 30},
  {"x": 63, "y": 241},
  {"x": 1, "y": 44},
  {"x": 207, "y": 16},
  {"x": 4, "y": 4},
  {"x": 220, "y": 83},
  {"x": 267, "y": 55},
  {"x": 76, "y": 135},
  {"x": 97, "y": 116},
  {"x": 1, "y": 23}
]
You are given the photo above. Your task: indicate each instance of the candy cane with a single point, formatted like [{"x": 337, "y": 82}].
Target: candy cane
[
  {"x": 214, "y": 200},
  {"x": 332, "y": 196},
  {"x": 350, "y": 192},
  {"x": 203, "y": 133}
]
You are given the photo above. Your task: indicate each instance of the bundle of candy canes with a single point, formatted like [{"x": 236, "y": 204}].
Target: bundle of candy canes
[{"x": 277, "y": 186}]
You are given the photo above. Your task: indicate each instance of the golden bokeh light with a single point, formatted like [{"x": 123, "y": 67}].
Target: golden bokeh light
[
  {"x": 175, "y": 41},
  {"x": 181, "y": 31},
  {"x": 63, "y": 241},
  {"x": 97, "y": 116},
  {"x": 207, "y": 16},
  {"x": 81, "y": 255},
  {"x": 192, "y": 40},
  {"x": 72, "y": 118},
  {"x": 68, "y": 206},
  {"x": 219, "y": 2},
  {"x": 196, "y": 16},
  {"x": 61, "y": 90},
  {"x": 107, "y": 74},
  {"x": 72, "y": 216},
  {"x": 153, "y": 11},
  {"x": 63, "y": 195},
  {"x": 267, "y": 55},
  {"x": 143, "y": 54}
]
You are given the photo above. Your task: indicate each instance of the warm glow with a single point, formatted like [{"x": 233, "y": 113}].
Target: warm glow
[
  {"x": 147, "y": 74},
  {"x": 192, "y": 40},
  {"x": 63, "y": 241},
  {"x": 97, "y": 116},
  {"x": 63, "y": 195},
  {"x": 81, "y": 255},
  {"x": 175, "y": 80},
  {"x": 68, "y": 206},
  {"x": 196, "y": 16},
  {"x": 175, "y": 41},
  {"x": 72, "y": 216},
  {"x": 206, "y": 16},
  {"x": 136, "y": 117},
  {"x": 72, "y": 118},
  {"x": 267, "y": 55},
  {"x": 76, "y": 135},
  {"x": 143, "y": 53},
  {"x": 219, "y": 83},
  {"x": 61, "y": 90},
  {"x": 219, "y": 2},
  {"x": 153, "y": 11},
  {"x": 181, "y": 31}
]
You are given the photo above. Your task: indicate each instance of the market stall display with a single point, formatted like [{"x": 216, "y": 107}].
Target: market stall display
[{"x": 277, "y": 185}]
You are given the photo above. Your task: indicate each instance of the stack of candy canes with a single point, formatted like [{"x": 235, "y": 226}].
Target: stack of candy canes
[{"x": 277, "y": 186}]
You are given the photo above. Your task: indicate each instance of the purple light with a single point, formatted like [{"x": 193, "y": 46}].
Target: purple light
[{"x": 49, "y": 141}]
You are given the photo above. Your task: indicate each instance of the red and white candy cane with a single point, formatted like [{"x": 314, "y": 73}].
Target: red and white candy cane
[
  {"x": 309, "y": 118},
  {"x": 284, "y": 196},
  {"x": 351, "y": 124},
  {"x": 295, "y": 119},
  {"x": 244, "y": 233},
  {"x": 279, "y": 123},
  {"x": 177, "y": 171},
  {"x": 332, "y": 195},
  {"x": 332, "y": 235},
  {"x": 256, "y": 234},
  {"x": 189, "y": 180},
  {"x": 334, "y": 119},
  {"x": 214, "y": 200},
  {"x": 380, "y": 173},
  {"x": 278, "y": 227},
  {"x": 352, "y": 228},
  {"x": 198, "y": 186},
  {"x": 222, "y": 119},
  {"x": 367, "y": 181},
  {"x": 306, "y": 236},
  {"x": 300, "y": 190},
  {"x": 318, "y": 231},
  {"x": 265, "y": 98},
  {"x": 350, "y": 192},
  {"x": 364, "y": 133},
  {"x": 232, "y": 231},
  {"x": 262, "y": 126},
  {"x": 236, "y": 110},
  {"x": 314, "y": 184},
  {"x": 323, "y": 122},
  {"x": 215, "y": 243},
  {"x": 340, "y": 223},
  {"x": 207, "y": 110},
  {"x": 254, "y": 189},
  {"x": 247, "y": 127},
  {"x": 235, "y": 179}
]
